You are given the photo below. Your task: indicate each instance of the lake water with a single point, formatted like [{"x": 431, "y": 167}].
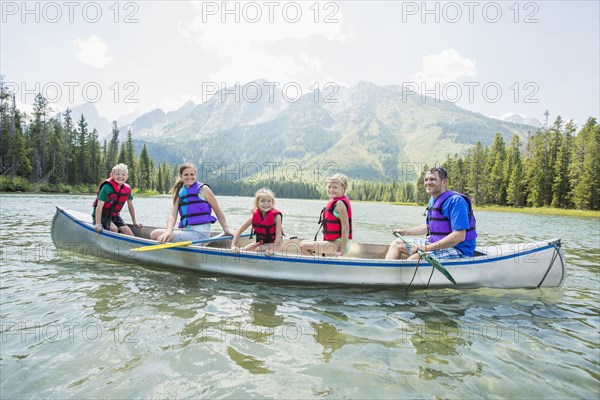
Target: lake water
[{"x": 76, "y": 327}]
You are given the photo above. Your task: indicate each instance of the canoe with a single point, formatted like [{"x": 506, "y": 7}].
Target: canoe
[{"x": 528, "y": 265}]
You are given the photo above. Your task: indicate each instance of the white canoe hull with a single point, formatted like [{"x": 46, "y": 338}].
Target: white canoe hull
[{"x": 529, "y": 265}]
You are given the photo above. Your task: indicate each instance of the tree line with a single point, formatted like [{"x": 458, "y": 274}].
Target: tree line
[
  {"x": 59, "y": 152},
  {"x": 557, "y": 166}
]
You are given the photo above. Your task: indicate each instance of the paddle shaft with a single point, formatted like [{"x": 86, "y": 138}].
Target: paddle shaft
[{"x": 182, "y": 244}]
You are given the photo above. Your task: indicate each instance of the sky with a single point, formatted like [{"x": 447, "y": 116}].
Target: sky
[{"x": 492, "y": 57}]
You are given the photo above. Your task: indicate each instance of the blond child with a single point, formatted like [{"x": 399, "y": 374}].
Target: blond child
[
  {"x": 336, "y": 220},
  {"x": 266, "y": 223},
  {"x": 112, "y": 195}
]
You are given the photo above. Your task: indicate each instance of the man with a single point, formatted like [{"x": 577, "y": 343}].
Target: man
[{"x": 449, "y": 225}]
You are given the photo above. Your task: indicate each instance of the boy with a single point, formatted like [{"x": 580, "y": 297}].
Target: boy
[{"x": 112, "y": 195}]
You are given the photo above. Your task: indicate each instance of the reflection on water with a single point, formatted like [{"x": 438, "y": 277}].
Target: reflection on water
[
  {"x": 248, "y": 362},
  {"x": 329, "y": 337},
  {"x": 79, "y": 327}
]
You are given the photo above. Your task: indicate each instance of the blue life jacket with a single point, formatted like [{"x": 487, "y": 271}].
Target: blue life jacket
[
  {"x": 439, "y": 226},
  {"x": 192, "y": 209}
]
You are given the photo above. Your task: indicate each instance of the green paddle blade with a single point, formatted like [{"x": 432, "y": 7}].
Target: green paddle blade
[{"x": 435, "y": 263}]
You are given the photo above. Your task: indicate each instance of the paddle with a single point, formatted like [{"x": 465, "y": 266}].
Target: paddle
[
  {"x": 436, "y": 264},
  {"x": 182, "y": 244}
]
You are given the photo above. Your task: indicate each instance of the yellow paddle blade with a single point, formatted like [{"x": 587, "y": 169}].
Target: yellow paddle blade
[{"x": 161, "y": 246}]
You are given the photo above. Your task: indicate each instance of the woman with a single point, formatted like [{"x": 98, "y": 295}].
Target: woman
[{"x": 194, "y": 201}]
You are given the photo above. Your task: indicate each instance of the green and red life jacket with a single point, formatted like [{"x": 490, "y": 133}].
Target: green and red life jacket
[{"x": 116, "y": 200}]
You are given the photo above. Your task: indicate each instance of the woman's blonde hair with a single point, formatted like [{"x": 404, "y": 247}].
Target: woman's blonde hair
[
  {"x": 341, "y": 178},
  {"x": 263, "y": 192},
  {"x": 179, "y": 182}
]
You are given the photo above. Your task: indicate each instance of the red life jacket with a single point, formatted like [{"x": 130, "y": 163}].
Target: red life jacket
[
  {"x": 265, "y": 228},
  {"x": 332, "y": 227},
  {"x": 116, "y": 200}
]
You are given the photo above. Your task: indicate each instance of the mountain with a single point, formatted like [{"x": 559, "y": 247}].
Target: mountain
[
  {"x": 128, "y": 118},
  {"x": 152, "y": 123},
  {"x": 519, "y": 119},
  {"x": 366, "y": 131},
  {"x": 93, "y": 119}
]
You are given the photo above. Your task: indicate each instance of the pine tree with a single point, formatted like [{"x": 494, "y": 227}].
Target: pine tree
[
  {"x": 80, "y": 148},
  {"x": 96, "y": 167},
  {"x": 68, "y": 146},
  {"x": 478, "y": 156},
  {"x": 585, "y": 166},
  {"x": 538, "y": 170},
  {"x": 145, "y": 182},
  {"x": 56, "y": 153},
  {"x": 112, "y": 149},
  {"x": 513, "y": 174},
  {"x": 20, "y": 159},
  {"x": 555, "y": 139},
  {"x": 160, "y": 179},
  {"x": 492, "y": 187},
  {"x": 561, "y": 187},
  {"x": 409, "y": 192},
  {"x": 421, "y": 195},
  {"x": 37, "y": 136},
  {"x": 6, "y": 133},
  {"x": 130, "y": 160},
  {"x": 122, "y": 158},
  {"x": 592, "y": 166}
]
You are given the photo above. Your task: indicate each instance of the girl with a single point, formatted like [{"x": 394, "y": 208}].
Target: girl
[
  {"x": 194, "y": 201},
  {"x": 266, "y": 223},
  {"x": 336, "y": 220}
]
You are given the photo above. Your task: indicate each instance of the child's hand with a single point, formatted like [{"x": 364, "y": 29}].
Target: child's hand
[
  {"x": 268, "y": 252},
  {"x": 98, "y": 228},
  {"x": 235, "y": 249}
]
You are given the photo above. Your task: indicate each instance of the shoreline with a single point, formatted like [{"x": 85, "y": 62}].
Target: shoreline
[
  {"x": 523, "y": 210},
  {"x": 542, "y": 211}
]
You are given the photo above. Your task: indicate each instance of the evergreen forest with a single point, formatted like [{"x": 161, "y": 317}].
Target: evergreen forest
[{"x": 557, "y": 166}]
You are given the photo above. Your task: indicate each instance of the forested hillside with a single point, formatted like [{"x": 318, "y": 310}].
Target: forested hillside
[{"x": 556, "y": 166}]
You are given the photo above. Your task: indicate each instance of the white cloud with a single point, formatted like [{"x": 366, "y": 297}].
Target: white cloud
[
  {"x": 447, "y": 66},
  {"x": 269, "y": 47},
  {"x": 92, "y": 51}
]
